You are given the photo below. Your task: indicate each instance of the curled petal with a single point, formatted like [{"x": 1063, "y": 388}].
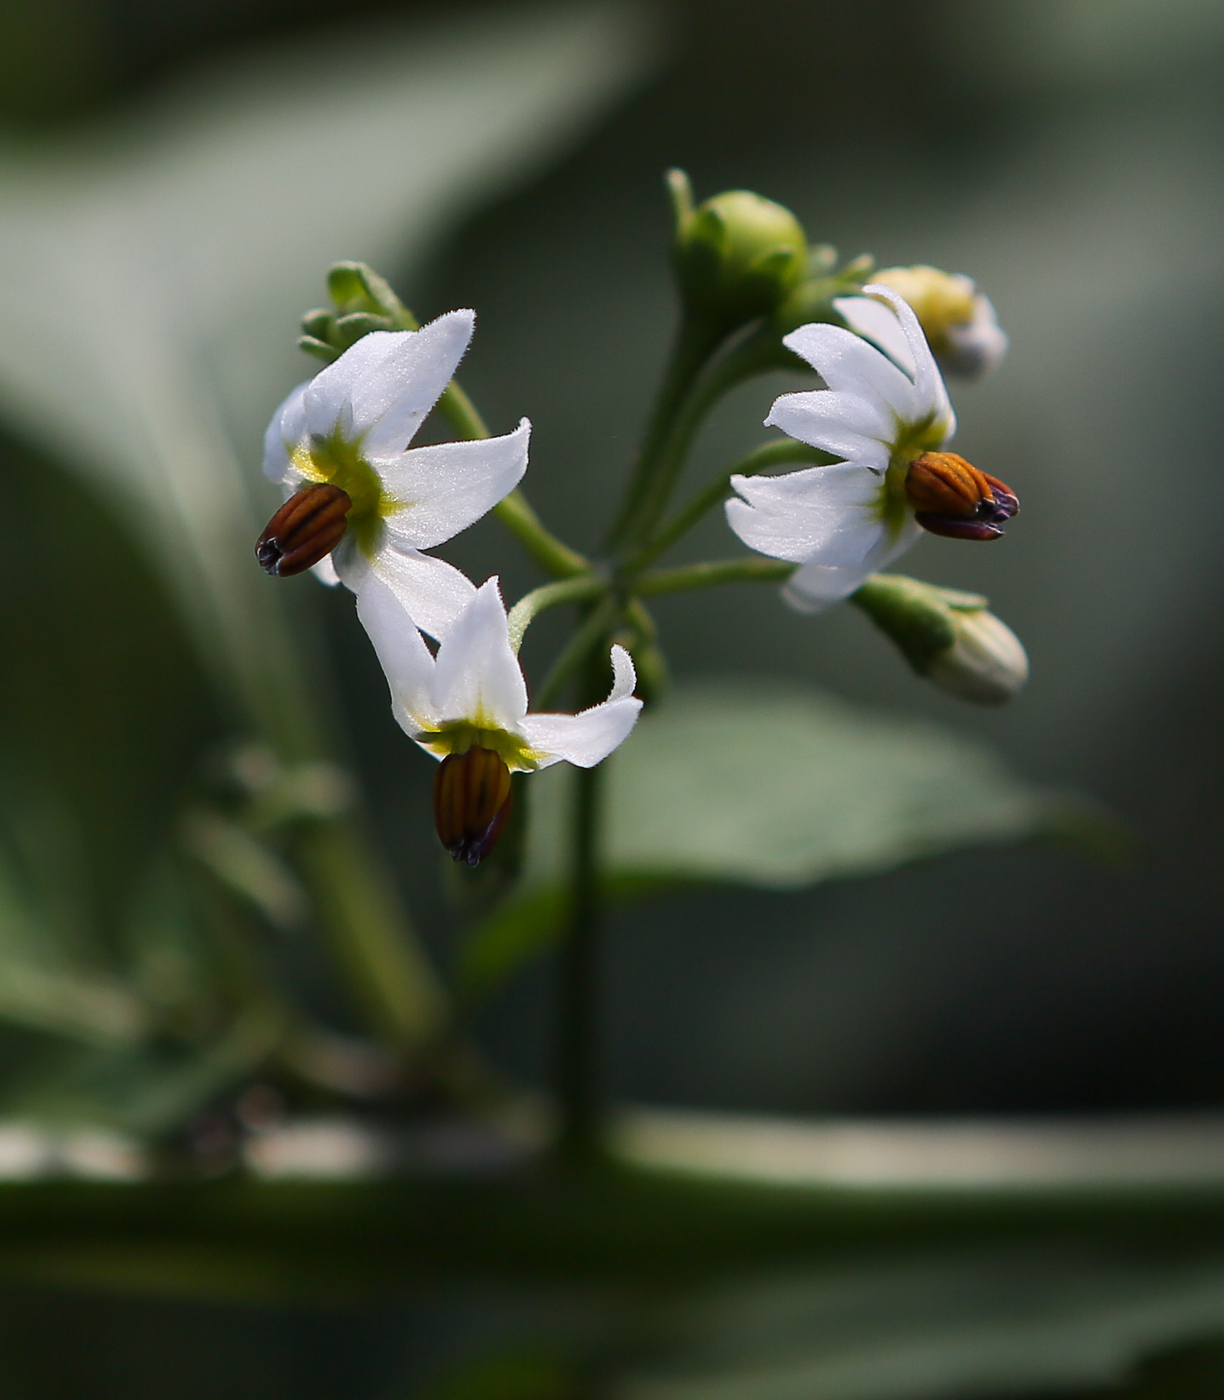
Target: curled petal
[
  {"x": 443, "y": 489},
  {"x": 825, "y": 515},
  {"x": 848, "y": 364},
  {"x": 931, "y": 396},
  {"x": 405, "y": 659},
  {"x": 285, "y": 432},
  {"x": 477, "y": 676},
  {"x": 588, "y": 737},
  {"x": 878, "y": 323}
]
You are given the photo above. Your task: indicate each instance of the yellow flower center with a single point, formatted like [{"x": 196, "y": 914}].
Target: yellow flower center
[
  {"x": 459, "y": 735},
  {"x": 337, "y": 460},
  {"x": 910, "y": 440}
]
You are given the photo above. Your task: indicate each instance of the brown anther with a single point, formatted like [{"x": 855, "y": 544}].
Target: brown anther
[
  {"x": 471, "y": 803},
  {"x": 307, "y": 527},
  {"x": 951, "y": 497}
]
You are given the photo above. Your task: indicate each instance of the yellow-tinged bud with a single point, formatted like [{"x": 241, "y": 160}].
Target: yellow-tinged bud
[
  {"x": 958, "y": 321},
  {"x": 307, "y": 527},
  {"x": 472, "y": 795},
  {"x": 738, "y": 255},
  {"x": 948, "y": 637}
]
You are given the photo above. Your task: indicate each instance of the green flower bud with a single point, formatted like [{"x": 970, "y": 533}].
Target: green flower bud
[
  {"x": 737, "y": 256},
  {"x": 948, "y": 637}
]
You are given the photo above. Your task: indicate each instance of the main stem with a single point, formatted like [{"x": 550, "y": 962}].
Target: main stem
[{"x": 579, "y": 1138}]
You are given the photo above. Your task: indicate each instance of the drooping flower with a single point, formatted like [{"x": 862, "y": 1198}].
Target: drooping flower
[
  {"x": 959, "y": 321},
  {"x": 842, "y": 522},
  {"x": 468, "y": 707},
  {"x": 362, "y": 502}
]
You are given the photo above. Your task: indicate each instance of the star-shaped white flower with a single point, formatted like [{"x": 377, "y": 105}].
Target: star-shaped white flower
[
  {"x": 349, "y": 428},
  {"x": 473, "y": 691},
  {"x": 842, "y": 522},
  {"x": 468, "y": 707}
]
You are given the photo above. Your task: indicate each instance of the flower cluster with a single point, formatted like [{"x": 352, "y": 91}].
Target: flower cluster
[{"x": 363, "y": 505}]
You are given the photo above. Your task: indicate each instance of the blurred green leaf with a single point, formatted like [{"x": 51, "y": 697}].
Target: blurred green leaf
[
  {"x": 153, "y": 269},
  {"x": 778, "y": 786}
]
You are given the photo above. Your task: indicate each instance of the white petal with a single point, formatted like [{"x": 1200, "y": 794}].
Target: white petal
[
  {"x": 828, "y": 515},
  {"x": 286, "y": 430},
  {"x": 401, "y": 649},
  {"x": 588, "y": 737},
  {"x": 847, "y": 426},
  {"x": 878, "y": 322},
  {"x": 816, "y": 586},
  {"x": 390, "y": 404},
  {"x": 930, "y": 394},
  {"x": 433, "y": 591},
  {"x": 445, "y": 488},
  {"x": 624, "y": 677},
  {"x": 325, "y": 571},
  {"x": 849, "y": 364},
  {"x": 478, "y": 677},
  {"x": 382, "y": 387}
]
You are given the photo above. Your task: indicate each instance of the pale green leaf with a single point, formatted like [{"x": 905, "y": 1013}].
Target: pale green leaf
[{"x": 774, "y": 785}]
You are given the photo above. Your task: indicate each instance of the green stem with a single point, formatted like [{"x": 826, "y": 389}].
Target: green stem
[
  {"x": 579, "y": 1138},
  {"x": 593, "y": 630},
  {"x": 770, "y": 454},
  {"x": 714, "y": 572},
  {"x": 578, "y": 589},
  {"x": 694, "y": 345}
]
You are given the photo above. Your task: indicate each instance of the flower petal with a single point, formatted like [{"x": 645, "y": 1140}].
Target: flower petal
[
  {"x": 445, "y": 488},
  {"x": 827, "y": 515},
  {"x": 382, "y": 387},
  {"x": 433, "y": 591},
  {"x": 588, "y": 737},
  {"x": 847, "y": 426},
  {"x": 286, "y": 430},
  {"x": 401, "y": 649},
  {"x": 878, "y": 323},
  {"x": 931, "y": 396},
  {"x": 849, "y": 364},
  {"x": 817, "y": 586},
  {"x": 478, "y": 677}
]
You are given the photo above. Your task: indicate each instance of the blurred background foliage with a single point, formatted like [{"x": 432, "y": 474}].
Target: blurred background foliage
[{"x": 173, "y": 181}]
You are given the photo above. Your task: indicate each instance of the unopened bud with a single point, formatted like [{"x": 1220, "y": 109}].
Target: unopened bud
[
  {"x": 985, "y": 664},
  {"x": 306, "y": 529},
  {"x": 959, "y": 322},
  {"x": 738, "y": 255},
  {"x": 471, "y": 802},
  {"x": 948, "y": 637},
  {"x": 951, "y": 497}
]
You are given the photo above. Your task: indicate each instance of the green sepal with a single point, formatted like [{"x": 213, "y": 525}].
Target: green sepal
[
  {"x": 351, "y": 328},
  {"x": 323, "y": 351},
  {"x": 917, "y": 616}
]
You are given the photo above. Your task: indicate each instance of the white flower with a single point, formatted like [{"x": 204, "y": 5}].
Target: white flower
[
  {"x": 349, "y": 427},
  {"x": 468, "y": 707},
  {"x": 959, "y": 321},
  {"x": 842, "y": 522},
  {"x": 473, "y": 691}
]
